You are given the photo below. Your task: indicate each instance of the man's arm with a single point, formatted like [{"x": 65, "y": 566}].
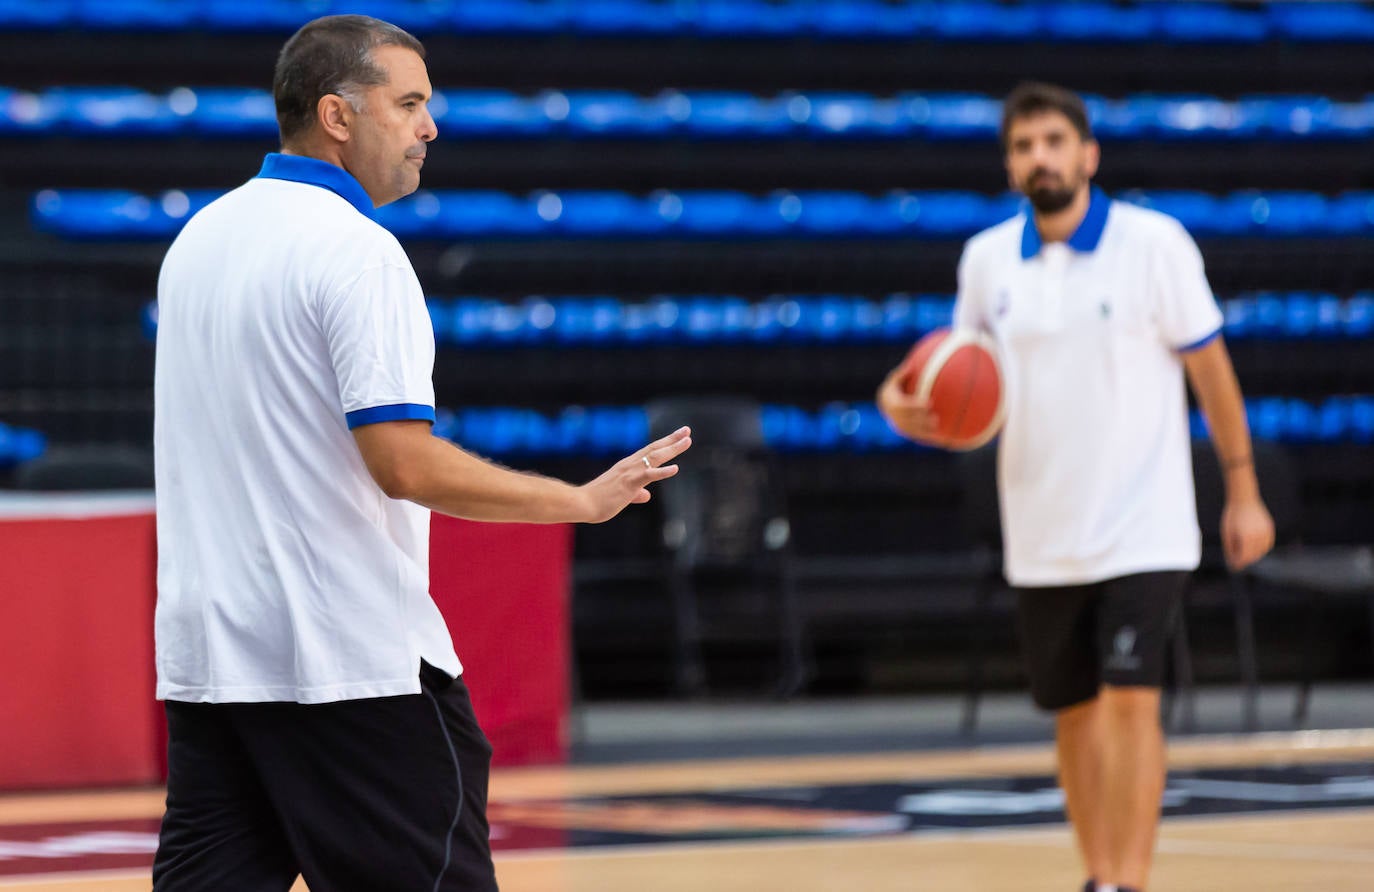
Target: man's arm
[
  {"x": 408, "y": 462},
  {"x": 1247, "y": 530}
]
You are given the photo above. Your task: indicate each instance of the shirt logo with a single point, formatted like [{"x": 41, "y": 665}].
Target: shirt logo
[
  {"x": 1123, "y": 647},
  {"x": 1003, "y": 303},
  {"x": 1106, "y": 309}
]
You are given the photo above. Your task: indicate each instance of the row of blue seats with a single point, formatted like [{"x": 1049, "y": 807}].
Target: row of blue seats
[
  {"x": 98, "y": 214},
  {"x": 836, "y": 427},
  {"x": 1337, "y": 419},
  {"x": 19, "y": 444},
  {"x": 953, "y": 20},
  {"x": 475, "y": 114},
  {"x": 603, "y": 321}
]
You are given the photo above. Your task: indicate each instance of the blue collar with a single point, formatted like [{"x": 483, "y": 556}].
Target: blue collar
[
  {"x": 1084, "y": 238},
  {"x": 301, "y": 169}
]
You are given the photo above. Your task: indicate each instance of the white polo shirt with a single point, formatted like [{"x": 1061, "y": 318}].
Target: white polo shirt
[
  {"x": 287, "y": 316},
  {"x": 1094, "y": 464}
]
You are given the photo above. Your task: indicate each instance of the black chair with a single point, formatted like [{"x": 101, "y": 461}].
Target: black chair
[
  {"x": 86, "y": 467},
  {"x": 982, "y": 525},
  {"x": 1320, "y": 573},
  {"x": 725, "y": 516}
]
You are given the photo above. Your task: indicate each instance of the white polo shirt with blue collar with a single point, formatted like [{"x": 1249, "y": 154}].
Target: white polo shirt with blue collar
[
  {"x": 288, "y": 316},
  {"x": 1094, "y": 465}
]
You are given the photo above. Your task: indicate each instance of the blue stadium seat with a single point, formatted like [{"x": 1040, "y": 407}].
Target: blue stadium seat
[
  {"x": 233, "y": 111},
  {"x": 19, "y": 444},
  {"x": 262, "y": 15},
  {"x": 490, "y": 113},
  {"x": 1281, "y": 214},
  {"x": 1120, "y": 119},
  {"x": 619, "y": 113},
  {"x": 952, "y": 116},
  {"x": 940, "y": 214},
  {"x": 511, "y": 16},
  {"x": 147, "y": 320},
  {"x": 835, "y": 213},
  {"x": 750, "y": 18},
  {"x": 872, "y": 19},
  {"x": 1201, "y": 117},
  {"x": 1211, "y": 23},
  {"x": 866, "y": 320},
  {"x": 1199, "y": 212},
  {"x": 856, "y": 115},
  {"x": 1099, "y": 22},
  {"x": 726, "y": 115},
  {"x": 1361, "y": 428},
  {"x": 102, "y": 214},
  {"x": 142, "y": 15},
  {"x": 1351, "y": 213},
  {"x": 708, "y": 212},
  {"x": 628, "y": 17},
  {"x": 652, "y": 322},
  {"x": 26, "y": 14},
  {"x": 483, "y": 214},
  {"x": 1327, "y": 22},
  {"x": 25, "y": 112},
  {"x": 983, "y": 21},
  {"x": 420, "y": 17},
  {"x": 113, "y": 110},
  {"x": 603, "y": 213},
  {"x": 1357, "y": 316}
]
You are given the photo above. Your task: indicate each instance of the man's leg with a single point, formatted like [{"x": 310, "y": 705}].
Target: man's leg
[
  {"x": 219, "y": 831},
  {"x": 1134, "y": 763},
  {"x": 1078, "y": 739},
  {"x": 1136, "y": 620},
  {"x": 1058, "y": 637}
]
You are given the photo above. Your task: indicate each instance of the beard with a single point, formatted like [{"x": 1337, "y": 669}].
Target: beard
[{"x": 1050, "y": 200}]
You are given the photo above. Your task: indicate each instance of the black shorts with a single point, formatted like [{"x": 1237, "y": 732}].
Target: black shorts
[
  {"x": 388, "y": 793},
  {"x": 1077, "y": 638}
]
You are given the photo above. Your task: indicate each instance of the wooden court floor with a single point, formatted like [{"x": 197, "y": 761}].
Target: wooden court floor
[{"x": 1293, "y": 850}]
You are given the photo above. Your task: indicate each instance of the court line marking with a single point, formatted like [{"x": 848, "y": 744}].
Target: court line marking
[
  {"x": 1040, "y": 834},
  {"x": 1248, "y": 851},
  {"x": 74, "y": 876}
]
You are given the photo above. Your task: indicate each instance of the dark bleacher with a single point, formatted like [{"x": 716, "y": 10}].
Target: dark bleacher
[{"x": 593, "y": 127}]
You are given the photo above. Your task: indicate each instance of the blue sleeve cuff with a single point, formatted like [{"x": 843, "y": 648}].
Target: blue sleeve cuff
[
  {"x": 394, "y": 412},
  {"x": 1202, "y": 342}
]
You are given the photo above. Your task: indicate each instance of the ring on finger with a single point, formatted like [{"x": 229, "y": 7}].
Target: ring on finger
[{"x": 646, "y": 462}]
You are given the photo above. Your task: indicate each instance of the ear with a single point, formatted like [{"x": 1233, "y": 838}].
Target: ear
[
  {"x": 1092, "y": 157},
  {"x": 335, "y": 116}
]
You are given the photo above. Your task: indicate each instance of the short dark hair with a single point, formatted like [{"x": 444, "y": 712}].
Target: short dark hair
[
  {"x": 1032, "y": 98},
  {"x": 331, "y": 55}
]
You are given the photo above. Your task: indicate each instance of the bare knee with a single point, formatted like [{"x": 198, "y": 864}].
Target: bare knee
[
  {"x": 1130, "y": 705},
  {"x": 1080, "y": 715}
]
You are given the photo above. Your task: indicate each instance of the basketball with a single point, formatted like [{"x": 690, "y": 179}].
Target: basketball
[{"x": 959, "y": 374}]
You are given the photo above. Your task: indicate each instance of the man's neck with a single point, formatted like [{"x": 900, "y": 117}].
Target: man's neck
[{"x": 1058, "y": 226}]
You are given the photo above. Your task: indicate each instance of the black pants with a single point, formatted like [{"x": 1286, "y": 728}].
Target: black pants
[{"x": 368, "y": 795}]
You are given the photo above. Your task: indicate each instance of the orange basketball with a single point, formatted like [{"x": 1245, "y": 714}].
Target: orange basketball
[{"x": 959, "y": 374}]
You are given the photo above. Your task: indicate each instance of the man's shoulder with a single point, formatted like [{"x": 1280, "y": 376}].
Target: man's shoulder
[
  {"x": 998, "y": 239},
  {"x": 1147, "y": 223}
]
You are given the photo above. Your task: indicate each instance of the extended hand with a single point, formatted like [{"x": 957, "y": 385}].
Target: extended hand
[{"x": 625, "y": 482}]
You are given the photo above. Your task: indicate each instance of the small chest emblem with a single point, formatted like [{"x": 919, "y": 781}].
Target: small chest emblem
[{"x": 1106, "y": 310}]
